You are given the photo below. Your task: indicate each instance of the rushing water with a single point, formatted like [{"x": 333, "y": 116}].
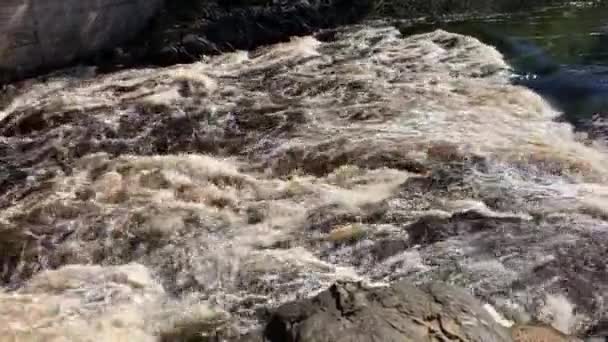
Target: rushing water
[
  {"x": 560, "y": 52},
  {"x": 253, "y": 178}
]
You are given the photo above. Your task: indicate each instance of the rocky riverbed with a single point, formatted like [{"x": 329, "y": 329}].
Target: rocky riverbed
[{"x": 156, "y": 204}]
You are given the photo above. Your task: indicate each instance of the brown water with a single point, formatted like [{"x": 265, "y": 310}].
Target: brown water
[{"x": 200, "y": 194}]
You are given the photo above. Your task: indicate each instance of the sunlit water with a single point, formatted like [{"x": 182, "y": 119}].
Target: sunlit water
[
  {"x": 560, "y": 52},
  {"x": 254, "y": 178}
]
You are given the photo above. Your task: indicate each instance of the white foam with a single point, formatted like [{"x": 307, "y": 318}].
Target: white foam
[{"x": 370, "y": 93}]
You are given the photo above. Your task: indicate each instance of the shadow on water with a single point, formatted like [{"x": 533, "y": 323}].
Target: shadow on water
[{"x": 561, "y": 53}]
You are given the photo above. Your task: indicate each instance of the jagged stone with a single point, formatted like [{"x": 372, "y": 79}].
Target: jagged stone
[{"x": 402, "y": 312}]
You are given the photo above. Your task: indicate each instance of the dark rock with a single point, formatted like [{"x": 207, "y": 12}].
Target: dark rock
[
  {"x": 431, "y": 229},
  {"x": 402, "y": 312},
  {"x": 386, "y": 248},
  {"x": 188, "y": 29},
  {"x": 40, "y": 38},
  {"x": 256, "y": 214}
]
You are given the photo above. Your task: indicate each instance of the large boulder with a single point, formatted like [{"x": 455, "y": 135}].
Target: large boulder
[
  {"x": 36, "y": 36},
  {"x": 435, "y": 311},
  {"x": 351, "y": 312}
]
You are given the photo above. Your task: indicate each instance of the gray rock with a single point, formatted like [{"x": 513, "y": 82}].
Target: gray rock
[
  {"x": 402, "y": 312},
  {"x": 39, "y": 36}
]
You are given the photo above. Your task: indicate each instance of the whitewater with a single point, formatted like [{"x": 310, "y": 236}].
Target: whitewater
[{"x": 135, "y": 201}]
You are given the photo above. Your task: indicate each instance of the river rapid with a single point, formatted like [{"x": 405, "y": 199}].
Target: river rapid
[{"x": 135, "y": 201}]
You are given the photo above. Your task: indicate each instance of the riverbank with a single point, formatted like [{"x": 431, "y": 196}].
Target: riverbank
[
  {"x": 255, "y": 178},
  {"x": 188, "y": 29},
  {"x": 183, "y": 31}
]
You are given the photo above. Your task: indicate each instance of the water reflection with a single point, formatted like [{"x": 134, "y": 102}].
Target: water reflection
[{"x": 572, "y": 35}]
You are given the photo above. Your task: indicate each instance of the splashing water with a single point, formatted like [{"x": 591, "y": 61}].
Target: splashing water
[{"x": 253, "y": 178}]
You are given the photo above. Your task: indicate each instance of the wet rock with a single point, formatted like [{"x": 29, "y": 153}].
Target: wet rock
[
  {"x": 554, "y": 274},
  {"x": 402, "y": 312},
  {"x": 386, "y": 248},
  {"x": 431, "y": 229},
  {"x": 188, "y": 29},
  {"x": 256, "y": 213}
]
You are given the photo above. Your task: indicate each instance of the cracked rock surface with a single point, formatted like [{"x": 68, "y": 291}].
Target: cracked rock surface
[
  {"x": 350, "y": 312},
  {"x": 435, "y": 311}
]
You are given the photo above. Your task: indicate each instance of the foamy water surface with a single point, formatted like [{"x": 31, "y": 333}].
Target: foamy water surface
[{"x": 254, "y": 178}]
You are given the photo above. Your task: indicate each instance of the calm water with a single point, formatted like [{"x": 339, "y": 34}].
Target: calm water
[
  {"x": 562, "y": 53},
  {"x": 575, "y": 35}
]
